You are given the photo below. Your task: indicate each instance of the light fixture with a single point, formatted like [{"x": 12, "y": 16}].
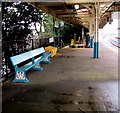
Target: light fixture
[
  {"x": 83, "y": 23},
  {"x": 102, "y": 5},
  {"x": 76, "y": 6}
]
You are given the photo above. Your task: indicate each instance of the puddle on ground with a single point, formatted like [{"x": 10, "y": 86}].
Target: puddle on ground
[
  {"x": 62, "y": 102},
  {"x": 67, "y": 94},
  {"x": 53, "y": 98}
]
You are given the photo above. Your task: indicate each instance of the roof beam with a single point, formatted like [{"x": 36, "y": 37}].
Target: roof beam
[
  {"x": 87, "y": 1},
  {"x": 48, "y": 11},
  {"x": 60, "y": 9},
  {"x": 75, "y": 15}
]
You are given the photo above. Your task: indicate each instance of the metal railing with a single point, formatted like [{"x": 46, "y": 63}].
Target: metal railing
[{"x": 11, "y": 48}]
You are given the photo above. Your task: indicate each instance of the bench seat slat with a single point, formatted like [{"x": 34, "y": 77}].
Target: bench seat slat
[
  {"x": 30, "y": 65},
  {"x": 25, "y": 67},
  {"x": 25, "y": 56},
  {"x": 45, "y": 56}
]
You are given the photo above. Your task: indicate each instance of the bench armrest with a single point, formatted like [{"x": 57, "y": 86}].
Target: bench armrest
[{"x": 47, "y": 52}]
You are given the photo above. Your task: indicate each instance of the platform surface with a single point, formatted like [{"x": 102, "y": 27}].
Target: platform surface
[{"x": 74, "y": 81}]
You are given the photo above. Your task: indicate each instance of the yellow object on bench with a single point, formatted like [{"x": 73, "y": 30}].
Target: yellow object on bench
[
  {"x": 52, "y": 49},
  {"x": 72, "y": 42}
]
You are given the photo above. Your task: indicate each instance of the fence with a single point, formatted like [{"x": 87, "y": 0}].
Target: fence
[{"x": 11, "y": 48}]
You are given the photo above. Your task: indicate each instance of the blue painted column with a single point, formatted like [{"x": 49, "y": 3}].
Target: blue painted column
[
  {"x": 96, "y": 49},
  {"x": 91, "y": 42},
  {"x": 96, "y": 43}
]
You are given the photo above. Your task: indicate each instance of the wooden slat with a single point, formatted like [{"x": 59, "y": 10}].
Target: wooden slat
[{"x": 25, "y": 56}]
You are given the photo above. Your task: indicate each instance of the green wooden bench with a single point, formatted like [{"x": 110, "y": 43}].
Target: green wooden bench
[{"x": 31, "y": 60}]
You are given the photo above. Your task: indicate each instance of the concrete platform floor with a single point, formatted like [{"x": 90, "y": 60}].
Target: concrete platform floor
[{"x": 74, "y": 81}]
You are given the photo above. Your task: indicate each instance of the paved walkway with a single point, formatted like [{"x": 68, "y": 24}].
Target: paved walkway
[{"x": 74, "y": 81}]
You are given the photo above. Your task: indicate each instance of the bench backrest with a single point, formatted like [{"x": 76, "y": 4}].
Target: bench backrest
[{"x": 25, "y": 56}]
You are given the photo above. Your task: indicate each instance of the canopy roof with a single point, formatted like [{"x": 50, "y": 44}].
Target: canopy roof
[{"x": 79, "y": 12}]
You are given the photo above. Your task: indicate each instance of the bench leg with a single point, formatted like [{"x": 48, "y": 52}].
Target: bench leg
[
  {"x": 47, "y": 60},
  {"x": 20, "y": 76},
  {"x": 37, "y": 67}
]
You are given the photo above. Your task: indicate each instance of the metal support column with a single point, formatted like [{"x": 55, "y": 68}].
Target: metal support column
[
  {"x": 59, "y": 36},
  {"x": 54, "y": 31},
  {"x": 82, "y": 34},
  {"x": 96, "y": 43},
  {"x": 91, "y": 42},
  {"x": 91, "y": 34}
]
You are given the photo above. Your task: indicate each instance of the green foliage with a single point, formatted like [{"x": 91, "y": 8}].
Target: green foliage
[
  {"x": 48, "y": 25},
  {"x": 67, "y": 29},
  {"x": 17, "y": 18}
]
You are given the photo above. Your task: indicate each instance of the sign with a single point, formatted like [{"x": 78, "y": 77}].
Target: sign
[
  {"x": 20, "y": 75},
  {"x": 51, "y": 40}
]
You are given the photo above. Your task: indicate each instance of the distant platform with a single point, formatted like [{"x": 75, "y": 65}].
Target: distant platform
[{"x": 78, "y": 46}]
